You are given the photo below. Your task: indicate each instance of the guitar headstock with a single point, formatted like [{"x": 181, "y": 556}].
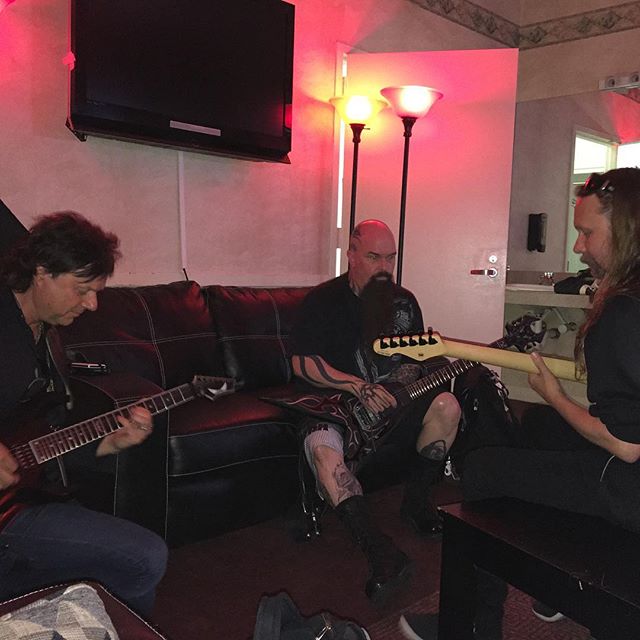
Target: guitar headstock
[
  {"x": 419, "y": 346},
  {"x": 525, "y": 333},
  {"x": 212, "y": 387}
]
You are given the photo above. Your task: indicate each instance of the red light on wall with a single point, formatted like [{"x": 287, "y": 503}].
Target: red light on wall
[{"x": 288, "y": 117}]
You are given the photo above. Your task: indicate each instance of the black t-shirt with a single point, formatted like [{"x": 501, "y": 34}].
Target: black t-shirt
[
  {"x": 330, "y": 325},
  {"x": 612, "y": 356},
  {"x": 25, "y": 367}
]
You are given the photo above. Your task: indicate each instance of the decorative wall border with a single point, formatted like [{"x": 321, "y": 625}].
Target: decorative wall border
[
  {"x": 621, "y": 17},
  {"x": 614, "y": 19},
  {"x": 475, "y": 18}
]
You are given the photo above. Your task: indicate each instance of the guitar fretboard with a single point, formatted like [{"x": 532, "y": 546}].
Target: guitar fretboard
[
  {"x": 59, "y": 442},
  {"x": 417, "y": 389}
]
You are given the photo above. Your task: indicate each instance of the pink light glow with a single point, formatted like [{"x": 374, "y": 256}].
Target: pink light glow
[
  {"x": 5, "y": 3},
  {"x": 411, "y": 101}
]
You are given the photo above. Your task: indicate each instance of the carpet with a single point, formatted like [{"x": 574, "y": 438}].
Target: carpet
[{"x": 519, "y": 622}]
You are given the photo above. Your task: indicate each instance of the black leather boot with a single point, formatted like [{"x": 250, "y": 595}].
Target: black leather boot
[
  {"x": 417, "y": 506},
  {"x": 389, "y": 568}
]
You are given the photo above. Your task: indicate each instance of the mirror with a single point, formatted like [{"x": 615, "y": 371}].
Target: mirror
[{"x": 545, "y": 132}]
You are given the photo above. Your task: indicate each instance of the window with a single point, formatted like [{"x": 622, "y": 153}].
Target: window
[{"x": 629, "y": 155}]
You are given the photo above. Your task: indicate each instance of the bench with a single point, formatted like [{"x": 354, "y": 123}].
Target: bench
[{"x": 582, "y": 566}]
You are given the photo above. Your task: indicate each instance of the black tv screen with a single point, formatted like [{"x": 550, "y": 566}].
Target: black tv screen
[{"x": 208, "y": 75}]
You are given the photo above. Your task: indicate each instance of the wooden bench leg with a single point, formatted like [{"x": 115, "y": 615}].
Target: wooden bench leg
[{"x": 457, "y": 583}]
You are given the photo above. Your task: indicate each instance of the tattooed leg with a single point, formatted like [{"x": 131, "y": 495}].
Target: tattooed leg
[
  {"x": 336, "y": 482},
  {"x": 435, "y": 451},
  {"x": 439, "y": 427},
  {"x": 346, "y": 483}
]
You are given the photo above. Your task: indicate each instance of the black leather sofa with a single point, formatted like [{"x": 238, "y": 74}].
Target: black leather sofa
[{"x": 208, "y": 467}]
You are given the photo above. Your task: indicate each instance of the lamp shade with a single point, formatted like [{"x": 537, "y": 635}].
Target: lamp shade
[
  {"x": 411, "y": 101},
  {"x": 357, "y": 109}
]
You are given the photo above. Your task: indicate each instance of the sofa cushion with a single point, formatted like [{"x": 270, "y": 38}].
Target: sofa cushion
[
  {"x": 254, "y": 327},
  {"x": 162, "y": 332},
  {"x": 239, "y": 429}
]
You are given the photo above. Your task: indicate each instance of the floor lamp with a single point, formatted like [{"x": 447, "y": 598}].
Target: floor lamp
[
  {"x": 409, "y": 102},
  {"x": 357, "y": 112}
]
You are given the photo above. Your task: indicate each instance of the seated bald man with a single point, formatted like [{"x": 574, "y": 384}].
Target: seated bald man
[{"x": 333, "y": 349}]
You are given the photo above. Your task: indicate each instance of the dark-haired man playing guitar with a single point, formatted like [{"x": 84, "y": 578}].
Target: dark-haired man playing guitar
[
  {"x": 49, "y": 278},
  {"x": 339, "y": 321}
]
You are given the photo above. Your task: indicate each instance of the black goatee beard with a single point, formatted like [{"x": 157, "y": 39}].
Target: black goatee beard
[{"x": 377, "y": 307}]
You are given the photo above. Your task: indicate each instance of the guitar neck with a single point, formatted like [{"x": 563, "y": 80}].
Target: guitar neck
[
  {"x": 57, "y": 443},
  {"x": 564, "y": 369},
  {"x": 422, "y": 386}
]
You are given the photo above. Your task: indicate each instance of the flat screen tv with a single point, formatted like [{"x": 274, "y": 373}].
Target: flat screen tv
[{"x": 213, "y": 76}]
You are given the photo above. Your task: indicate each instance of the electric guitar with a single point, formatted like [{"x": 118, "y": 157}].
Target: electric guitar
[
  {"x": 364, "y": 427},
  {"x": 32, "y": 453}
]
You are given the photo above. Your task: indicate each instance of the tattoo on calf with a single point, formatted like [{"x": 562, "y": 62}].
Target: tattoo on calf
[
  {"x": 435, "y": 451},
  {"x": 346, "y": 483}
]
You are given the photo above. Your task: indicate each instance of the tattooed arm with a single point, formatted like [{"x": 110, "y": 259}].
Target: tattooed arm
[{"x": 316, "y": 371}]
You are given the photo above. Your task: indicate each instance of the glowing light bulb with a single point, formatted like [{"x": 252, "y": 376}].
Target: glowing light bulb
[
  {"x": 411, "y": 101},
  {"x": 357, "y": 109}
]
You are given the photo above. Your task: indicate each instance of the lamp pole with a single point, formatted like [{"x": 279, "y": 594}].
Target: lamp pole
[
  {"x": 409, "y": 102},
  {"x": 357, "y": 128},
  {"x": 408, "y": 123},
  {"x": 356, "y": 111}
]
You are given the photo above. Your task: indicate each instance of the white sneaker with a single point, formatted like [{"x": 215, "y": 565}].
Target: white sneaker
[{"x": 546, "y": 613}]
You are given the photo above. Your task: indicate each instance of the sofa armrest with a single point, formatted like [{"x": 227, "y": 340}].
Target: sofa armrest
[{"x": 137, "y": 476}]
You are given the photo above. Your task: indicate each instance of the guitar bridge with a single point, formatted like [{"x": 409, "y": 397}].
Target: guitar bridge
[{"x": 366, "y": 419}]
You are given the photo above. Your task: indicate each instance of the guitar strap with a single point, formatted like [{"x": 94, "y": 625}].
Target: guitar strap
[{"x": 59, "y": 370}]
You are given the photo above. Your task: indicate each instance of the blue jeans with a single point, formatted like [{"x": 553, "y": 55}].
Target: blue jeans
[{"x": 64, "y": 542}]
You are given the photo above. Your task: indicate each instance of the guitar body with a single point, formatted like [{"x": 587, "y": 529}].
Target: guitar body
[
  {"x": 32, "y": 442},
  {"x": 22, "y": 425},
  {"x": 363, "y": 429}
]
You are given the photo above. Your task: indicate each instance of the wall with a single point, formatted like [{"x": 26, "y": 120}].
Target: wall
[
  {"x": 246, "y": 222},
  {"x": 593, "y": 39},
  {"x": 576, "y": 67}
]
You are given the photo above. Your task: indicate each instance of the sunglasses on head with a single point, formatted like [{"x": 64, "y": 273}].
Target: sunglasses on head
[{"x": 596, "y": 184}]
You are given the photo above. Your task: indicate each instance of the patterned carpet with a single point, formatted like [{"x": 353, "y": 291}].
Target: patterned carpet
[{"x": 519, "y": 622}]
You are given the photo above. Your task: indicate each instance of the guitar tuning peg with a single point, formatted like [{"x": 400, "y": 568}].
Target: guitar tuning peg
[
  {"x": 412, "y": 342},
  {"x": 421, "y": 340},
  {"x": 403, "y": 342},
  {"x": 431, "y": 339},
  {"x": 383, "y": 343},
  {"x": 393, "y": 343}
]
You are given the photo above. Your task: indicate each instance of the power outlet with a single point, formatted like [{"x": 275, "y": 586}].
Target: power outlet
[{"x": 621, "y": 81}]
